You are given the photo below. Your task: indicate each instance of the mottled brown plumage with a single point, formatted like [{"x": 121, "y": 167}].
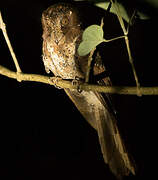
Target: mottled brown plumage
[{"x": 62, "y": 34}]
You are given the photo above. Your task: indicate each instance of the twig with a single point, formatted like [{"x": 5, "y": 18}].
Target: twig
[
  {"x": 83, "y": 86},
  {"x": 89, "y": 65},
  {"x": 4, "y": 31},
  {"x": 127, "y": 45},
  {"x": 131, "y": 19},
  {"x": 113, "y": 39}
]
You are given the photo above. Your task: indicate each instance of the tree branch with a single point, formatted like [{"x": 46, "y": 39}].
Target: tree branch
[
  {"x": 125, "y": 32},
  {"x": 83, "y": 86},
  {"x": 4, "y": 31}
]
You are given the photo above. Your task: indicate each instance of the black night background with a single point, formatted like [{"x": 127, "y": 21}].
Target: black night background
[{"x": 42, "y": 135}]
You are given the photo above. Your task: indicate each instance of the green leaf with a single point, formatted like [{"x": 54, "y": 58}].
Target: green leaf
[
  {"x": 92, "y": 36},
  {"x": 123, "y": 12}
]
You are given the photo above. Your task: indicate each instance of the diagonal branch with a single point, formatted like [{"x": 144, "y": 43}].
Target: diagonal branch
[{"x": 4, "y": 31}]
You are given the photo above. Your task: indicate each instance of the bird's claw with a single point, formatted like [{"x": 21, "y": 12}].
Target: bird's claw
[
  {"x": 77, "y": 82},
  {"x": 55, "y": 81}
]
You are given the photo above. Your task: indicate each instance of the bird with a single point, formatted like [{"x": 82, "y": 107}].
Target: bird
[{"x": 62, "y": 34}]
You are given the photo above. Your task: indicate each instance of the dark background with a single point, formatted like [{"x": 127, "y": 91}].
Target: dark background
[{"x": 42, "y": 135}]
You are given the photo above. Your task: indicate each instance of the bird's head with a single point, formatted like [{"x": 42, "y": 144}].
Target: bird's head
[{"x": 61, "y": 23}]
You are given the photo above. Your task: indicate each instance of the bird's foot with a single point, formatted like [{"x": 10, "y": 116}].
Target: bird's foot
[
  {"x": 55, "y": 80},
  {"x": 77, "y": 82}
]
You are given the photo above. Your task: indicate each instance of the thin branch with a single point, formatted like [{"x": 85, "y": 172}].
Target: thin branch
[
  {"x": 113, "y": 39},
  {"x": 130, "y": 20},
  {"x": 83, "y": 86},
  {"x": 127, "y": 44},
  {"x": 89, "y": 65},
  {"x": 4, "y": 31}
]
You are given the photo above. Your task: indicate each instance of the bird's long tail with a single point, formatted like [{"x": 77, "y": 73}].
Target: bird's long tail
[
  {"x": 112, "y": 146},
  {"x": 95, "y": 110}
]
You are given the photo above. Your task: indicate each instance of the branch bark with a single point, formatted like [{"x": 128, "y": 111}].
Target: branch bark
[{"x": 126, "y": 90}]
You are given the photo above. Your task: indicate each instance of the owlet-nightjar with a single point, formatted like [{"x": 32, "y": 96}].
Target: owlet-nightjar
[{"x": 62, "y": 34}]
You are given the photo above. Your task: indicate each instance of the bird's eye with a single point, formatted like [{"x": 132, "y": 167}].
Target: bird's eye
[{"x": 64, "y": 21}]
